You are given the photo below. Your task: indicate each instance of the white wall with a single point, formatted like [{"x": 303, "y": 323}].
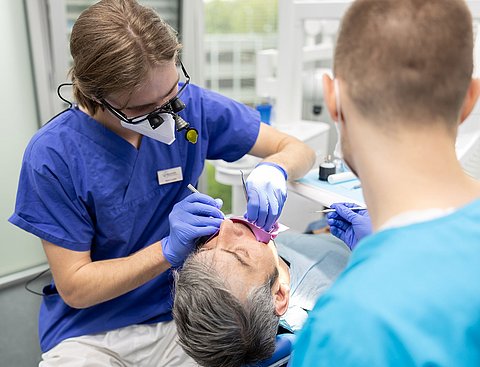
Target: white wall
[{"x": 18, "y": 122}]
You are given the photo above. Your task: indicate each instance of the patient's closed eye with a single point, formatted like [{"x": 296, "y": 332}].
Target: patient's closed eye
[
  {"x": 205, "y": 249},
  {"x": 239, "y": 257},
  {"x": 242, "y": 251}
]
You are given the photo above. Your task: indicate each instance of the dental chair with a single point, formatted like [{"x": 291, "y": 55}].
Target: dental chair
[{"x": 283, "y": 349}]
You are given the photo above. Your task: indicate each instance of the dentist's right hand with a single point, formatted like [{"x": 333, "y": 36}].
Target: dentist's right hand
[
  {"x": 197, "y": 215},
  {"x": 348, "y": 225}
]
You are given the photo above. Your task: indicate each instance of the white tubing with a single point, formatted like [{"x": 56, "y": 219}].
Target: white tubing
[{"x": 341, "y": 177}]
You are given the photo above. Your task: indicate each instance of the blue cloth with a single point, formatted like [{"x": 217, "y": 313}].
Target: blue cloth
[
  {"x": 410, "y": 296},
  {"x": 345, "y": 190},
  {"x": 84, "y": 188},
  {"x": 315, "y": 262}
]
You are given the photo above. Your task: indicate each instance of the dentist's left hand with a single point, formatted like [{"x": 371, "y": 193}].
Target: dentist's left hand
[
  {"x": 195, "y": 216},
  {"x": 267, "y": 192},
  {"x": 348, "y": 225}
]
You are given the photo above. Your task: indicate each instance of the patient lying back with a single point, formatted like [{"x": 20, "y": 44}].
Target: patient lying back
[{"x": 232, "y": 292}]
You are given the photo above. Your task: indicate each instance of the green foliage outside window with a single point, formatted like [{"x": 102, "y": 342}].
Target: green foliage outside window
[
  {"x": 218, "y": 190},
  {"x": 241, "y": 16}
]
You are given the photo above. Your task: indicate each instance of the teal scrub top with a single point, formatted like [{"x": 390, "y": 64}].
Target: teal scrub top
[{"x": 410, "y": 296}]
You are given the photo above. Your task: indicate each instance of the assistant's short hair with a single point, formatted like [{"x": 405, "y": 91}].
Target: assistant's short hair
[
  {"x": 114, "y": 44},
  {"x": 214, "y": 327},
  {"x": 411, "y": 59}
]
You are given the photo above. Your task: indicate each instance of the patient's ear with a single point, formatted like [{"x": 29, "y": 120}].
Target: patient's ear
[
  {"x": 281, "y": 298},
  {"x": 470, "y": 99}
]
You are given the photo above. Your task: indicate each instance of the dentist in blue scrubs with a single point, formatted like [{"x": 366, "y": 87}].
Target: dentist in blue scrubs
[{"x": 104, "y": 186}]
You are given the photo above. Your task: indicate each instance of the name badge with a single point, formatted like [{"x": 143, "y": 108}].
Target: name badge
[{"x": 167, "y": 176}]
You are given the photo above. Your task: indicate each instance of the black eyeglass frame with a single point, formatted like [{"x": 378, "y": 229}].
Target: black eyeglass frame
[{"x": 167, "y": 107}]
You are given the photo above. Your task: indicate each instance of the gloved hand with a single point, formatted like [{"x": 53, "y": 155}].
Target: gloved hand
[
  {"x": 350, "y": 226},
  {"x": 195, "y": 216},
  {"x": 267, "y": 192}
]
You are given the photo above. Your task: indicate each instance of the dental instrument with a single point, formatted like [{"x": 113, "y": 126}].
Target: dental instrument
[
  {"x": 193, "y": 189},
  {"x": 332, "y": 210}
]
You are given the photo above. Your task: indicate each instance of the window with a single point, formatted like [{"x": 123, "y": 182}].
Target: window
[
  {"x": 234, "y": 31},
  {"x": 247, "y": 83},
  {"x": 247, "y": 57},
  {"x": 225, "y": 83}
]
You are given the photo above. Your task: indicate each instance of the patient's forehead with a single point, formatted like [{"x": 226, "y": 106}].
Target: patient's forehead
[{"x": 240, "y": 280}]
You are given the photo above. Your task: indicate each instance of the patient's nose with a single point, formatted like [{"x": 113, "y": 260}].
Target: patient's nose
[
  {"x": 226, "y": 227},
  {"x": 228, "y": 230}
]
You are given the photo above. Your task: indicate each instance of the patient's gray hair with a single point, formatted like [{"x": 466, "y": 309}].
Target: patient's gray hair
[{"x": 214, "y": 327}]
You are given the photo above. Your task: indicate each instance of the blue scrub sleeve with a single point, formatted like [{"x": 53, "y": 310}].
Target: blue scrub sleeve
[
  {"x": 47, "y": 207},
  {"x": 232, "y": 127}
]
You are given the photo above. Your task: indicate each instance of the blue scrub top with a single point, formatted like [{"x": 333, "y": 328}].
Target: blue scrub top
[
  {"x": 410, "y": 296},
  {"x": 84, "y": 188}
]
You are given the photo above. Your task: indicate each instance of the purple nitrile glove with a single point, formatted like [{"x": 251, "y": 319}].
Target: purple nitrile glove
[
  {"x": 348, "y": 225},
  {"x": 195, "y": 216},
  {"x": 267, "y": 191}
]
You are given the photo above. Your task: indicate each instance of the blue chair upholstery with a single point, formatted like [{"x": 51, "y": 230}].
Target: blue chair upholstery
[{"x": 281, "y": 356}]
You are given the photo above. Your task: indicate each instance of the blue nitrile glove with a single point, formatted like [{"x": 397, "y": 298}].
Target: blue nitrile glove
[
  {"x": 195, "y": 216},
  {"x": 350, "y": 226},
  {"x": 267, "y": 192}
]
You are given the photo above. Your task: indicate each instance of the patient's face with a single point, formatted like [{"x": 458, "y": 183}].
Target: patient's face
[{"x": 239, "y": 258}]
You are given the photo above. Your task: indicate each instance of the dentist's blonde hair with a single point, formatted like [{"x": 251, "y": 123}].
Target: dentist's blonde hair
[{"x": 114, "y": 44}]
